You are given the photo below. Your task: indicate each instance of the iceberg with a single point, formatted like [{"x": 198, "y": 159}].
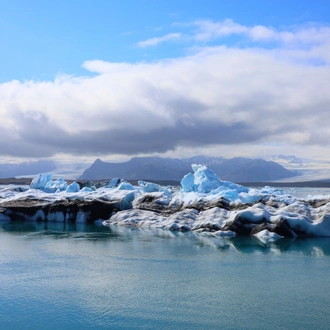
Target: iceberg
[
  {"x": 73, "y": 187},
  {"x": 41, "y": 180},
  {"x": 203, "y": 180},
  {"x": 46, "y": 183},
  {"x": 114, "y": 183},
  {"x": 265, "y": 236},
  {"x": 125, "y": 186},
  {"x": 149, "y": 186},
  {"x": 203, "y": 204}
]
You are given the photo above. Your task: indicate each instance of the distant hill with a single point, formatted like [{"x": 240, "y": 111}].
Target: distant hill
[
  {"x": 156, "y": 168},
  {"x": 26, "y": 168}
]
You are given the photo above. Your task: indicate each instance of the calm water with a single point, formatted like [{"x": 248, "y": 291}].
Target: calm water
[
  {"x": 301, "y": 192},
  {"x": 55, "y": 276}
]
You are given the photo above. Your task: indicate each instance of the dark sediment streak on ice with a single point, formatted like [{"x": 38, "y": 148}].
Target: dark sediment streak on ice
[{"x": 205, "y": 204}]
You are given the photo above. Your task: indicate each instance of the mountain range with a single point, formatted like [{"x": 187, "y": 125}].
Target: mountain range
[
  {"x": 32, "y": 168},
  {"x": 9, "y": 170},
  {"x": 237, "y": 169}
]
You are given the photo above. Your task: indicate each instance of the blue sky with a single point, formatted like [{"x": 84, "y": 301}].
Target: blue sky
[
  {"x": 115, "y": 79},
  {"x": 40, "y": 39}
]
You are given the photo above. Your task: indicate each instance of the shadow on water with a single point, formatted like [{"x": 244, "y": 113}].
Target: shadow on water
[
  {"x": 58, "y": 230},
  {"x": 315, "y": 246}
]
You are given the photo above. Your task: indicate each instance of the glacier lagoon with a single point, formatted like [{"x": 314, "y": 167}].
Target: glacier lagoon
[
  {"x": 80, "y": 276},
  {"x": 145, "y": 273}
]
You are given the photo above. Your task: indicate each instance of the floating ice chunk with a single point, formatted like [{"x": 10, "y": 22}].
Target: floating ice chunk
[
  {"x": 45, "y": 183},
  {"x": 251, "y": 197},
  {"x": 73, "y": 187},
  {"x": 87, "y": 189},
  {"x": 271, "y": 190},
  {"x": 113, "y": 183},
  {"x": 187, "y": 183},
  {"x": 204, "y": 204},
  {"x": 224, "y": 233},
  {"x": 149, "y": 186},
  {"x": 205, "y": 180},
  {"x": 125, "y": 186},
  {"x": 266, "y": 236},
  {"x": 59, "y": 184},
  {"x": 41, "y": 180}
]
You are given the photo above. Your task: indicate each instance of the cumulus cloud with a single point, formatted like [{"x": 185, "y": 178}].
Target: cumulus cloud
[{"x": 217, "y": 96}]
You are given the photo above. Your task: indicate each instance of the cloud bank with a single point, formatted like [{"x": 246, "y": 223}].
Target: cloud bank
[{"x": 237, "y": 94}]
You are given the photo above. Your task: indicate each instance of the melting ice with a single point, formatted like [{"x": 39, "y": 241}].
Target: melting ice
[{"x": 203, "y": 204}]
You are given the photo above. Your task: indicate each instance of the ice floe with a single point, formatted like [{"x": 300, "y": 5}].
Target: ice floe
[{"x": 202, "y": 204}]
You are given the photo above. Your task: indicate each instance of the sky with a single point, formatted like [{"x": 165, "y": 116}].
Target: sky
[{"x": 81, "y": 80}]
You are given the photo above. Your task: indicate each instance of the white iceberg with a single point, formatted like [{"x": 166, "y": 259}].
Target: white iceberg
[
  {"x": 265, "y": 236},
  {"x": 203, "y": 204}
]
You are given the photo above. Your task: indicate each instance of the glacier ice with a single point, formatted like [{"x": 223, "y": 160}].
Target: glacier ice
[
  {"x": 46, "y": 183},
  {"x": 265, "y": 236},
  {"x": 203, "y": 204},
  {"x": 41, "y": 180},
  {"x": 113, "y": 183},
  {"x": 149, "y": 186},
  {"x": 73, "y": 187},
  {"x": 203, "y": 180},
  {"x": 125, "y": 186}
]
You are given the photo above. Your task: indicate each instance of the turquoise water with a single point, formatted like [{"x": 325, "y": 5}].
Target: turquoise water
[{"x": 60, "y": 276}]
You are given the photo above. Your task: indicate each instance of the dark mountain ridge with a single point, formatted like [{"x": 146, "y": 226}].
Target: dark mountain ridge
[{"x": 237, "y": 169}]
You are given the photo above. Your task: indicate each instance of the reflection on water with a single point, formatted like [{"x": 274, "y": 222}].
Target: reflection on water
[
  {"x": 58, "y": 229},
  {"x": 245, "y": 244},
  {"x": 75, "y": 276}
]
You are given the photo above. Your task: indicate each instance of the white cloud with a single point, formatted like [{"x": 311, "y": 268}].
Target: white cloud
[
  {"x": 219, "y": 96},
  {"x": 260, "y": 32},
  {"x": 156, "y": 41},
  {"x": 207, "y": 30}
]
